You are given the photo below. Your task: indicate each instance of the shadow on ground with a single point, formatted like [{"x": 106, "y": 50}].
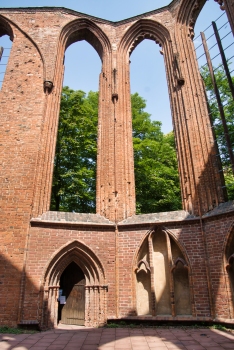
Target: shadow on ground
[{"x": 80, "y": 338}]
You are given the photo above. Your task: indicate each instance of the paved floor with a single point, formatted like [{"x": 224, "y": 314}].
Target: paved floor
[{"x": 76, "y": 338}]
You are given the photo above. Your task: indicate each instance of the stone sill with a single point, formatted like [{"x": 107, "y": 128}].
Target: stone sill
[{"x": 38, "y": 222}]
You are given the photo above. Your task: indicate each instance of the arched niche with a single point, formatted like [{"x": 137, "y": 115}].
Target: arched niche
[
  {"x": 181, "y": 287},
  {"x": 77, "y": 255},
  {"x": 163, "y": 286},
  {"x": 143, "y": 281}
]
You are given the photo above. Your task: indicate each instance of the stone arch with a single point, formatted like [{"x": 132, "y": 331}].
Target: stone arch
[
  {"x": 165, "y": 278},
  {"x": 84, "y": 29},
  {"x": 189, "y": 12},
  {"x": 95, "y": 288},
  {"x": 144, "y": 29},
  {"x": 181, "y": 261},
  {"x": 6, "y": 28},
  {"x": 136, "y": 257},
  {"x": 79, "y": 29},
  {"x": 140, "y": 30},
  {"x": 93, "y": 271}
]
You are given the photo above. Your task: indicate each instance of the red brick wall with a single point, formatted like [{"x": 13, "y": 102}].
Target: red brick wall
[
  {"x": 44, "y": 242},
  {"x": 28, "y": 128},
  {"x": 21, "y": 104}
]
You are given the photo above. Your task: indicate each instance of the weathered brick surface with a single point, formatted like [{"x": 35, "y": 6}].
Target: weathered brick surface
[
  {"x": 109, "y": 241},
  {"x": 44, "y": 241}
]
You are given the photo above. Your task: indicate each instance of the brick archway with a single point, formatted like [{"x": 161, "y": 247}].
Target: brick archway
[
  {"x": 143, "y": 29},
  {"x": 84, "y": 29},
  {"x": 5, "y": 28},
  {"x": 76, "y": 30},
  {"x": 95, "y": 287},
  {"x": 190, "y": 10}
]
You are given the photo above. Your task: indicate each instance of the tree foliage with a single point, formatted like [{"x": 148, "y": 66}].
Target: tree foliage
[
  {"x": 74, "y": 184},
  {"x": 156, "y": 174},
  {"x": 228, "y": 103}
]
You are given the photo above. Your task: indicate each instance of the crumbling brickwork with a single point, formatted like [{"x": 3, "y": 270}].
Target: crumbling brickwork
[{"x": 37, "y": 245}]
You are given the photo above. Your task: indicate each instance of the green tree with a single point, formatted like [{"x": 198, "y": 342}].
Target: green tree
[
  {"x": 75, "y": 158},
  {"x": 228, "y": 104},
  {"x": 156, "y": 170},
  {"x": 157, "y": 181}
]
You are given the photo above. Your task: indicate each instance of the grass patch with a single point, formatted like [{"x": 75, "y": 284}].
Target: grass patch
[
  {"x": 11, "y": 330},
  {"x": 113, "y": 325},
  {"x": 219, "y": 327}
]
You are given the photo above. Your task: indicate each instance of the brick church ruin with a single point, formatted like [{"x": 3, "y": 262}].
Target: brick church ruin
[{"x": 112, "y": 264}]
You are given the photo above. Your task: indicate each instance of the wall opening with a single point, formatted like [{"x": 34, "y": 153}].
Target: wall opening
[
  {"x": 71, "y": 307},
  {"x": 5, "y": 49},
  {"x": 155, "y": 160},
  {"x": 74, "y": 177},
  {"x": 223, "y": 135}
]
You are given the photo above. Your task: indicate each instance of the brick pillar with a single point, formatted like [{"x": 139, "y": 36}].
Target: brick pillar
[
  {"x": 229, "y": 8},
  {"x": 105, "y": 188},
  {"x": 124, "y": 159},
  {"x": 115, "y": 168},
  {"x": 201, "y": 184}
]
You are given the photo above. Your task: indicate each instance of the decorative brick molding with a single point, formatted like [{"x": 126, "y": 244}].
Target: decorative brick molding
[{"x": 95, "y": 285}]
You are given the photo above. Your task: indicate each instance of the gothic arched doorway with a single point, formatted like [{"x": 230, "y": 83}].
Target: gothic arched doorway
[
  {"x": 71, "y": 309},
  {"x": 76, "y": 273}
]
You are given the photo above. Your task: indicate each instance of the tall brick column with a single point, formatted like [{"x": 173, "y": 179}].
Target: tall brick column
[
  {"x": 115, "y": 171},
  {"x": 201, "y": 182},
  {"x": 124, "y": 161},
  {"x": 229, "y": 8}
]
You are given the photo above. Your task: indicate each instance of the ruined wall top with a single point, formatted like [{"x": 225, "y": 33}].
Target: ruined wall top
[{"x": 172, "y": 8}]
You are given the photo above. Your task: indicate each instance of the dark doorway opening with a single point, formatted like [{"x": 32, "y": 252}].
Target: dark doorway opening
[{"x": 71, "y": 309}]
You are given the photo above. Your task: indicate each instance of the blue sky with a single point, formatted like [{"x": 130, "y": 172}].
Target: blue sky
[{"x": 82, "y": 64}]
